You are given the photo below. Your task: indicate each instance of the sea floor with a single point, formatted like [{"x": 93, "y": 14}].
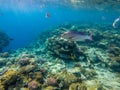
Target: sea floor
[{"x": 54, "y": 63}]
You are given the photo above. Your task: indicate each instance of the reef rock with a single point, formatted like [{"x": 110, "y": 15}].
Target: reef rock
[
  {"x": 86, "y": 85},
  {"x": 49, "y": 88},
  {"x": 3, "y": 62},
  {"x": 26, "y": 59},
  {"x": 27, "y": 69},
  {"x": 77, "y": 86},
  {"x": 33, "y": 85},
  {"x": 4, "y": 55},
  {"x": 65, "y": 78},
  {"x": 64, "y": 49},
  {"x": 51, "y": 81}
]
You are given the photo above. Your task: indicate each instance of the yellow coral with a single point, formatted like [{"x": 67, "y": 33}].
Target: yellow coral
[
  {"x": 2, "y": 87},
  {"x": 6, "y": 78},
  {"x": 49, "y": 88},
  {"x": 9, "y": 73},
  {"x": 24, "y": 89},
  {"x": 78, "y": 86},
  {"x": 9, "y": 77},
  {"x": 67, "y": 77}
]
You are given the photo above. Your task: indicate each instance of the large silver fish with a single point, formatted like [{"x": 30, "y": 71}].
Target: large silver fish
[{"x": 76, "y": 36}]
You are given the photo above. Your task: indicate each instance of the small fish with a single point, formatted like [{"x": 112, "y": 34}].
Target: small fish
[
  {"x": 116, "y": 23},
  {"x": 76, "y": 36},
  {"x": 11, "y": 39},
  {"x": 47, "y": 15}
]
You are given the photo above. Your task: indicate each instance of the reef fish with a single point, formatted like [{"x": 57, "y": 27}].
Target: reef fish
[
  {"x": 47, "y": 15},
  {"x": 76, "y": 36},
  {"x": 116, "y": 23}
]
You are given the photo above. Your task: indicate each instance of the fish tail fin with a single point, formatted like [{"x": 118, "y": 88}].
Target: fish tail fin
[{"x": 91, "y": 36}]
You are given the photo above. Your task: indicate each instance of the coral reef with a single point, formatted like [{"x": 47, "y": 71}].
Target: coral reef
[
  {"x": 64, "y": 49},
  {"x": 65, "y": 79},
  {"x": 33, "y": 85},
  {"x": 54, "y": 63},
  {"x": 8, "y": 78},
  {"x": 3, "y": 70},
  {"x": 77, "y": 86},
  {"x": 49, "y": 88},
  {"x": 51, "y": 81},
  {"x": 3, "y": 62},
  {"x": 4, "y": 54},
  {"x": 27, "y": 69},
  {"x": 114, "y": 54}
]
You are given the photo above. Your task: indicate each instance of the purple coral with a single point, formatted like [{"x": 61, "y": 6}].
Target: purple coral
[
  {"x": 33, "y": 85},
  {"x": 51, "y": 81}
]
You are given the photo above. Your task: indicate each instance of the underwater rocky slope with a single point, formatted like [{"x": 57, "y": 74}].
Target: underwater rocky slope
[{"x": 54, "y": 63}]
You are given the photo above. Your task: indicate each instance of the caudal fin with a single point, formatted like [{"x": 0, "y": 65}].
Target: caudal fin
[{"x": 91, "y": 36}]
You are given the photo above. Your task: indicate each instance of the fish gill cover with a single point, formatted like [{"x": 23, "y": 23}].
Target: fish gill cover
[{"x": 40, "y": 58}]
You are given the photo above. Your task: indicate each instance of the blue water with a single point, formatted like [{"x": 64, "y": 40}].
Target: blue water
[{"x": 23, "y": 20}]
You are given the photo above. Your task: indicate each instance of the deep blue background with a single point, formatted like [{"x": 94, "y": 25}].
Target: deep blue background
[{"x": 23, "y": 21}]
